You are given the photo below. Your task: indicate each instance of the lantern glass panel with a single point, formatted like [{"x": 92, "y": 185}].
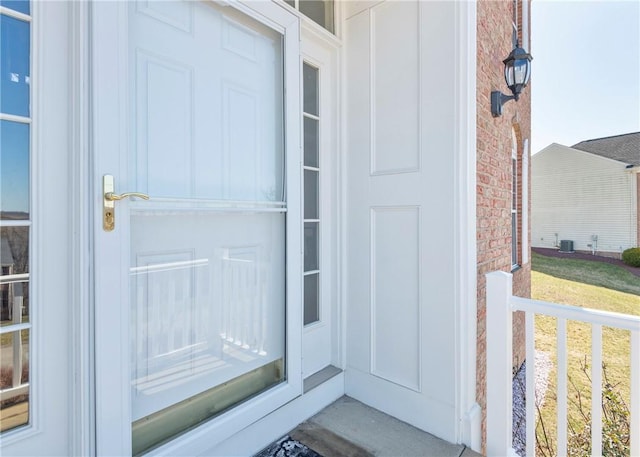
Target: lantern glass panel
[
  {"x": 520, "y": 71},
  {"x": 509, "y": 76}
]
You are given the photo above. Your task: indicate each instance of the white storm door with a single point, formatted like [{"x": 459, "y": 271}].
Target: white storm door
[{"x": 197, "y": 290}]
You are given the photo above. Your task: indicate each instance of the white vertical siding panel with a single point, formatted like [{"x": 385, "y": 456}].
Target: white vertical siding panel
[{"x": 576, "y": 195}]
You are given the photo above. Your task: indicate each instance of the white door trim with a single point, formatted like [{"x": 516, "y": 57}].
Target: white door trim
[
  {"x": 82, "y": 303},
  {"x": 469, "y": 412}
]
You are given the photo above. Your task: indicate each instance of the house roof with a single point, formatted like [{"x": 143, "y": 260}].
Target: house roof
[{"x": 623, "y": 148}]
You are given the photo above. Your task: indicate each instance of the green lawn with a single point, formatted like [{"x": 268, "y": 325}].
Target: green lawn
[
  {"x": 587, "y": 284},
  {"x": 588, "y": 272}
]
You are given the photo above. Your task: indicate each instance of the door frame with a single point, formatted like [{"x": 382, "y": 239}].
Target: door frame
[{"x": 108, "y": 23}]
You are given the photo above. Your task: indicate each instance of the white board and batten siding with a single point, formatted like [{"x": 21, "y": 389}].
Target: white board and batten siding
[
  {"x": 401, "y": 211},
  {"x": 577, "y": 195}
]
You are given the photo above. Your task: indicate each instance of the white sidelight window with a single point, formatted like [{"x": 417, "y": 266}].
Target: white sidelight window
[{"x": 15, "y": 214}]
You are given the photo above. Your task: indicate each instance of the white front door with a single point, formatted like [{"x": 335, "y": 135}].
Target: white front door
[{"x": 198, "y": 287}]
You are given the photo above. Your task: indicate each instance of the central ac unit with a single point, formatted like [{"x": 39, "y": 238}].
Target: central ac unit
[{"x": 566, "y": 246}]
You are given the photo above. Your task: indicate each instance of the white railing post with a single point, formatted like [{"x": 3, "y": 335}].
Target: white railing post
[{"x": 499, "y": 364}]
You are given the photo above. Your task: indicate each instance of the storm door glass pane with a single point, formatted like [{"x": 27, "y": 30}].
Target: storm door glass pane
[
  {"x": 15, "y": 43},
  {"x": 209, "y": 118},
  {"x": 207, "y": 253},
  {"x": 14, "y": 170}
]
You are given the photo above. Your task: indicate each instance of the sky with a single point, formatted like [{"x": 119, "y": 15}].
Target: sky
[{"x": 585, "y": 74}]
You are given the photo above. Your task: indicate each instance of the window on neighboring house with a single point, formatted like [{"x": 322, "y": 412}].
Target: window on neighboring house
[
  {"x": 15, "y": 215},
  {"x": 514, "y": 201},
  {"x": 319, "y": 11}
]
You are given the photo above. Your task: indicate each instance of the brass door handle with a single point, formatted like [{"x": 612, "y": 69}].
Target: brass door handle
[
  {"x": 108, "y": 199},
  {"x": 115, "y": 197}
]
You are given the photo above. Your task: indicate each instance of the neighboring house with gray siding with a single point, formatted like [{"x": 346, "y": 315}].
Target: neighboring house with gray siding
[{"x": 587, "y": 193}]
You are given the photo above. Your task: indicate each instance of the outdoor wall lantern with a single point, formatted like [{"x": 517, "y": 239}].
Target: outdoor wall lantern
[{"x": 517, "y": 71}]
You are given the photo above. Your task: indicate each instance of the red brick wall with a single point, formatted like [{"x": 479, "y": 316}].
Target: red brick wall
[{"x": 494, "y": 181}]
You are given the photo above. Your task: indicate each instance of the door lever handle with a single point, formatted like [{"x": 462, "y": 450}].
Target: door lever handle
[
  {"x": 115, "y": 197},
  {"x": 108, "y": 199}
]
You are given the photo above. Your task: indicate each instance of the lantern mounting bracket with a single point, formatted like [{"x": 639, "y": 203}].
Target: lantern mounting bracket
[{"x": 497, "y": 100}]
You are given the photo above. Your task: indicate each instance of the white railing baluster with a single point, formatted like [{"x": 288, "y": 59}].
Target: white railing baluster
[
  {"x": 635, "y": 393},
  {"x": 596, "y": 390},
  {"x": 531, "y": 383},
  {"x": 562, "y": 386}
]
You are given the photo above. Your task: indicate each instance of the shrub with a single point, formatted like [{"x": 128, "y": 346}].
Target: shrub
[{"x": 631, "y": 257}]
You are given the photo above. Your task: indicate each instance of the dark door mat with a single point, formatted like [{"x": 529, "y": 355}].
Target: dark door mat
[{"x": 287, "y": 447}]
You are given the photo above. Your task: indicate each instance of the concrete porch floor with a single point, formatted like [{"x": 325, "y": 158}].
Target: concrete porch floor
[{"x": 348, "y": 428}]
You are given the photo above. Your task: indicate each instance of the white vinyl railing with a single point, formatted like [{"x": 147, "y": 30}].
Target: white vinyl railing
[{"x": 500, "y": 307}]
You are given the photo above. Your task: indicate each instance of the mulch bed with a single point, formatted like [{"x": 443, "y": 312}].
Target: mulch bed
[{"x": 582, "y": 256}]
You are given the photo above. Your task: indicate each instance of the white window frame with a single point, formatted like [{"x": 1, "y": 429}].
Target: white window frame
[{"x": 514, "y": 202}]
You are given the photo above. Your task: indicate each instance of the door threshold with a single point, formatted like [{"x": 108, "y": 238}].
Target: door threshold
[{"x": 319, "y": 377}]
